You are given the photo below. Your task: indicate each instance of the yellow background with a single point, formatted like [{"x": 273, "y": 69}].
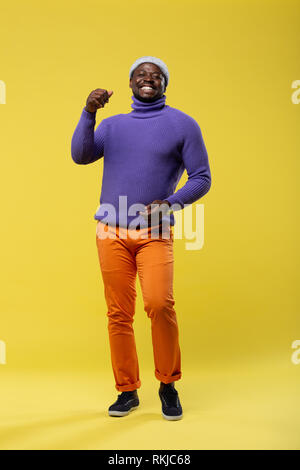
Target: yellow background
[{"x": 231, "y": 67}]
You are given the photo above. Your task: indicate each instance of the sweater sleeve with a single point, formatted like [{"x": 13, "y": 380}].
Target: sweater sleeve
[
  {"x": 195, "y": 160},
  {"x": 87, "y": 145}
]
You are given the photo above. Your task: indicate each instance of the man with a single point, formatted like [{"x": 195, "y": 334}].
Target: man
[{"x": 145, "y": 153}]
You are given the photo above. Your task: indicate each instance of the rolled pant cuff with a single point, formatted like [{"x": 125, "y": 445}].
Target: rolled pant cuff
[
  {"x": 129, "y": 387},
  {"x": 166, "y": 379}
]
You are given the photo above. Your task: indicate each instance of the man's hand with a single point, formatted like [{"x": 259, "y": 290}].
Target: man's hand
[
  {"x": 97, "y": 99},
  {"x": 158, "y": 206}
]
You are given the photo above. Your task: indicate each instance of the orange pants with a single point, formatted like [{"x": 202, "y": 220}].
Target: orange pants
[{"x": 120, "y": 259}]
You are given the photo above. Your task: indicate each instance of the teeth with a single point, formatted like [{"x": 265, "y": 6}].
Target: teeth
[{"x": 147, "y": 88}]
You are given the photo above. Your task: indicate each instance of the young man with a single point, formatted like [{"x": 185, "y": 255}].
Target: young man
[{"x": 145, "y": 154}]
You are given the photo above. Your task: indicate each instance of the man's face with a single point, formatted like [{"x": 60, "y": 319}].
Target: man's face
[{"x": 147, "y": 75}]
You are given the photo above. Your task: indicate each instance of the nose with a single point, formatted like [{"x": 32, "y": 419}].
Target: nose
[{"x": 148, "y": 77}]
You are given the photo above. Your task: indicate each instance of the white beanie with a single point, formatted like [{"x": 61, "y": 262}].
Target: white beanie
[{"x": 153, "y": 60}]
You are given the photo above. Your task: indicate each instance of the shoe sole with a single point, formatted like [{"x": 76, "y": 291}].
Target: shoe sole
[
  {"x": 172, "y": 418},
  {"x": 122, "y": 413}
]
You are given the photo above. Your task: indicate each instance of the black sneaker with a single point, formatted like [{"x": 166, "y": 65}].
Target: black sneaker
[
  {"x": 126, "y": 402},
  {"x": 171, "y": 407}
]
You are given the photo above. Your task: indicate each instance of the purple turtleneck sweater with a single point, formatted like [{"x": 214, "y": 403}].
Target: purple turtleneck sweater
[{"x": 145, "y": 154}]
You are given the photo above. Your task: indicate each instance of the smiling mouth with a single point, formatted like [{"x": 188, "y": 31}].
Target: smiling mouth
[{"x": 146, "y": 88}]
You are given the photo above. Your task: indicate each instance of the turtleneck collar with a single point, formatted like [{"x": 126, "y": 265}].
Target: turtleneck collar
[{"x": 142, "y": 109}]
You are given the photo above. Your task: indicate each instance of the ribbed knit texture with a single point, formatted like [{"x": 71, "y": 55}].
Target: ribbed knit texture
[{"x": 145, "y": 154}]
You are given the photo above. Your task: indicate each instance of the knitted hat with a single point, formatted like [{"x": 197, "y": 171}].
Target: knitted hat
[{"x": 153, "y": 60}]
